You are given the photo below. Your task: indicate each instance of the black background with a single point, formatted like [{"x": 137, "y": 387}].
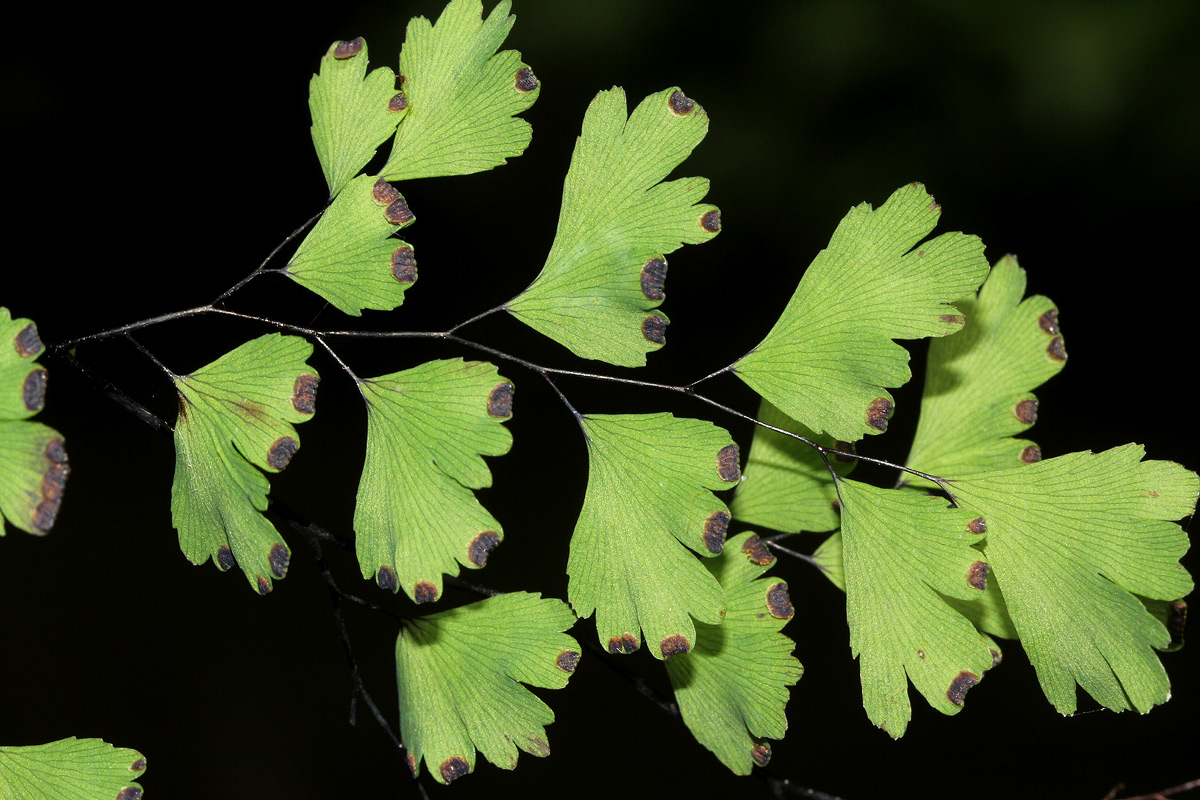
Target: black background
[{"x": 154, "y": 159}]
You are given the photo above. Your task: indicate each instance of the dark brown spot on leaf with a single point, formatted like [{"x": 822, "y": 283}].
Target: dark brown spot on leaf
[
  {"x": 844, "y": 447},
  {"x": 757, "y": 551},
  {"x": 977, "y": 526},
  {"x": 933, "y": 206},
  {"x": 625, "y": 643},
  {"x": 1176, "y": 621},
  {"x": 424, "y": 592},
  {"x": 386, "y": 579},
  {"x": 654, "y": 328},
  {"x": 280, "y": 454},
  {"x": 404, "y": 264},
  {"x": 500, "y": 400},
  {"x": 567, "y": 660},
  {"x": 1048, "y": 322},
  {"x": 225, "y": 559},
  {"x": 27, "y": 342},
  {"x": 130, "y": 793},
  {"x": 264, "y": 585},
  {"x": 674, "y": 645},
  {"x": 879, "y": 412},
  {"x": 33, "y": 391},
  {"x": 525, "y": 81},
  {"x": 1026, "y": 411},
  {"x": 398, "y": 213},
  {"x": 681, "y": 105},
  {"x": 779, "y": 602},
  {"x": 304, "y": 394},
  {"x": 412, "y": 764},
  {"x": 139, "y": 765},
  {"x": 348, "y": 48},
  {"x": 654, "y": 277},
  {"x": 977, "y": 575},
  {"x": 727, "y": 463},
  {"x": 959, "y": 687},
  {"x": 1056, "y": 350},
  {"x": 1031, "y": 454},
  {"x": 384, "y": 193},
  {"x": 454, "y": 768},
  {"x": 54, "y": 482},
  {"x": 920, "y": 254},
  {"x": 921, "y": 654},
  {"x": 836, "y": 504},
  {"x": 398, "y": 102},
  {"x": 996, "y": 656},
  {"x": 711, "y": 221},
  {"x": 714, "y": 531},
  {"x": 761, "y": 753},
  {"x": 279, "y": 559},
  {"x": 953, "y": 319},
  {"x": 481, "y": 546}
]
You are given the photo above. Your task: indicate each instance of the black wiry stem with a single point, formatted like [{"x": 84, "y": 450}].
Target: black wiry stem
[{"x": 261, "y": 268}]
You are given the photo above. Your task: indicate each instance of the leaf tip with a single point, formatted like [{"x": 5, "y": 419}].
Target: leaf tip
[
  {"x": 727, "y": 464},
  {"x": 625, "y": 643},
  {"x": 304, "y": 394},
  {"x": 500, "y": 400},
  {"x": 33, "y": 390},
  {"x": 525, "y": 81},
  {"x": 404, "y": 265},
  {"x": 27, "y": 342},
  {"x": 760, "y": 753},
  {"x": 567, "y": 661},
  {"x": 425, "y": 592},
  {"x": 225, "y": 559},
  {"x": 977, "y": 575},
  {"x": 281, "y": 452},
  {"x": 263, "y": 585},
  {"x": 757, "y": 551},
  {"x": 654, "y": 329},
  {"x": 654, "y": 278},
  {"x": 348, "y": 48},
  {"x": 680, "y": 104},
  {"x": 1031, "y": 454},
  {"x": 1056, "y": 350},
  {"x": 977, "y": 526},
  {"x": 779, "y": 602},
  {"x": 398, "y": 103},
  {"x": 130, "y": 793},
  {"x": 711, "y": 221},
  {"x": 54, "y": 482},
  {"x": 879, "y": 412},
  {"x": 454, "y": 768},
  {"x": 1026, "y": 411},
  {"x": 385, "y": 577},
  {"x": 278, "y": 559},
  {"x": 1048, "y": 321}
]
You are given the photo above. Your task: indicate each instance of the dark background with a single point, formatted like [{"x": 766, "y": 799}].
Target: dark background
[{"x": 154, "y": 159}]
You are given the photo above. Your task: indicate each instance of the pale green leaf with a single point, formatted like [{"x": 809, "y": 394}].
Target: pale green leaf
[
  {"x": 902, "y": 553},
  {"x": 417, "y": 517},
  {"x": 732, "y": 687},
  {"x": 826, "y": 361},
  {"x": 786, "y": 485},
  {"x": 462, "y": 95},
  {"x": 70, "y": 769},
  {"x": 33, "y": 461},
  {"x": 648, "y": 495},
  {"x": 350, "y": 257},
  {"x": 977, "y": 386},
  {"x": 236, "y": 418},
  {"x": 459, "y": 674},
  {"x": 605, "y": 270},
  {"x": 1071, "y": 540},
  {"x": 352, "y": 112}
]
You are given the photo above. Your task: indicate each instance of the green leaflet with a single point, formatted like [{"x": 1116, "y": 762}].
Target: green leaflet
[
  {"x": 1071, "y": 539},
  {"x": 826, "y": 361},
  {"x": 732, "y": 687},
  {"x": 236, "y": 417},
  {"x": 462, "y": 95},
  {"x": 70, "y": 769},
  {"x": 33, "y": 461},
  {"x": 352, "y": 112},
  {"x": 458, "y": 670},
  {"x": 350, "y": 257},
  {"x": 605, "y": 270},
  {"x": 648, "y": 495},
  {"x": 786, "y": 485},
  {"x": 977, "y": 387},
  {"x": 416, "y": 516},
  {"x": 903, "y": 552}
]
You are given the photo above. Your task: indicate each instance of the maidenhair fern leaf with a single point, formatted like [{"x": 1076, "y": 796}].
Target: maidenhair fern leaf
[
  {"x": 236, "y": 417},
  {"x": 459, "y": 674},
  {"x": 786, "y": 485},
  {"x": 902, "y": 553},
  {"x": 462, "y": 95},
  {"x": 826, "y": 361},
  {"x": 33, "y": 461},
  {"x": 352, "y": 112},
  {"x": 977, "y": 387},
  {"x": 649, "y": 494},
  {"x": 350, "y": 257},
  {"x": 605, "y": 270},
  {"x": 427, "y": 429},
  {"x": 70, "y": 769},
  {"x": 732, "y": 687},
  {"x": 1072, "y": 540}
]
